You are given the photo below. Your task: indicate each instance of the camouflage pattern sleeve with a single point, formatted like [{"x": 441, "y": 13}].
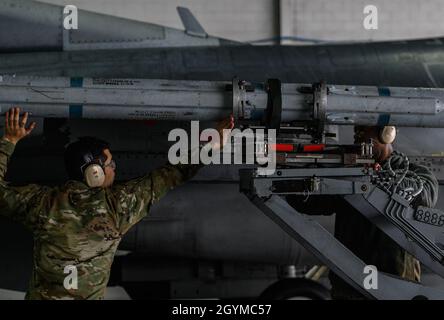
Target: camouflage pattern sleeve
[
  {"x": 19, "y": 203},
  {"x": 6, "y": 150},
  {"x": 135, "y": 197}
]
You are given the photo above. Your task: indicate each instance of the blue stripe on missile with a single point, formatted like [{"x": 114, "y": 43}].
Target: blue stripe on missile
[
  {"x": 75, "y": 111},
  {"x": 76, "y": 82},
  {"x": 384, "y": 92},
  {"x": 383, "y": 119},
  {"x": 257, "y": 114}
]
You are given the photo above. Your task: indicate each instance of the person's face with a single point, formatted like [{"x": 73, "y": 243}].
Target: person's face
[
  {"x": 109, "y": 169},
  {"x": 364, "y": 134}
]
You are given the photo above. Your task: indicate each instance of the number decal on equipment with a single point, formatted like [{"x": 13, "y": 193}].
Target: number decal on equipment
[{"x": 432, "y": 218}]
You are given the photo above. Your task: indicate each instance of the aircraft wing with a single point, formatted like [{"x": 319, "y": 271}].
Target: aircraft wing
[{"x": 33, "y": 26}]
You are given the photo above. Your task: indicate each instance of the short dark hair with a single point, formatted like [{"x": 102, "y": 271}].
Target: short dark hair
[{"x": 82, "y": 152}]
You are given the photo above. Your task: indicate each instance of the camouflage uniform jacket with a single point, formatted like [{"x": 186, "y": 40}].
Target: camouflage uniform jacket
[{"x": 74, "y": 225}]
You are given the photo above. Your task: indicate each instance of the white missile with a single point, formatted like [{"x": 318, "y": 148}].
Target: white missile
[{"x": 143, "y": 99}]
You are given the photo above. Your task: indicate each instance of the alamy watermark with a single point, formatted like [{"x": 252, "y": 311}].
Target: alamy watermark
[
  {"x": 71, "y": 280},
  {"x": 256, "y": 145},
  {"x": 371, "y": 19},
  {"x": 371, "y": 278},
  {"x": 71, "y": 17}
]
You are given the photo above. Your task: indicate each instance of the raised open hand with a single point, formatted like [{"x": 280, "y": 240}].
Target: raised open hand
[{"x": 15, "y": 128}]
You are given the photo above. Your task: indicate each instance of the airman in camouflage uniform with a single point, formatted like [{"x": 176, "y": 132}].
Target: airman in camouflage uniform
[{"x": 75, "y": 225}]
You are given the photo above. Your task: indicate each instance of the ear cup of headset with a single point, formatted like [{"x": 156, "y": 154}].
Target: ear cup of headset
[
  {"x": 387, "y": 134},
  {"x": 94, "y": 176}
]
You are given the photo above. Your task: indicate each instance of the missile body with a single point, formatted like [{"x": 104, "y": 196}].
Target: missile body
[{"x": 184, "y": 100}]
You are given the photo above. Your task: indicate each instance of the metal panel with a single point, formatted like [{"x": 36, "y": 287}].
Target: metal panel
[
  {"x": 337, "y": 257},
  {"x": 97, "y": 28},
  {"x": 28, "y": 25}
]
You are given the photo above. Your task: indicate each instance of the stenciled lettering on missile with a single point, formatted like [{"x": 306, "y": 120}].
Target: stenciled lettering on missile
[
  {"x": 114, "y": 82},
  {"x": 153, "y": 115},
  {"x": 371, "y": 19}
]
